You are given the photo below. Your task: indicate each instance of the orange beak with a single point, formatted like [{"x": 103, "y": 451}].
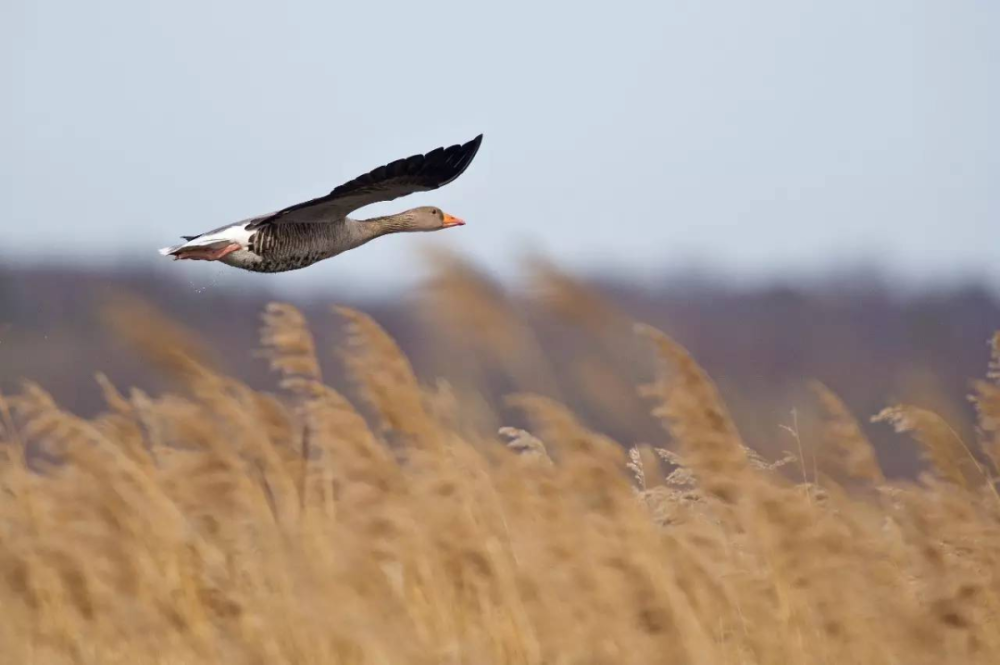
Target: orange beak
[{"x": 452, "y": 221}]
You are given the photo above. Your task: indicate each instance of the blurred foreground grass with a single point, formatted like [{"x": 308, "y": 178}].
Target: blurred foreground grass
[{"x": 219, "y": 524}]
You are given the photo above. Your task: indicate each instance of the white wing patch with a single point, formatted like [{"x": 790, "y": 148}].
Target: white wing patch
[{"x": 235, "y": 233}]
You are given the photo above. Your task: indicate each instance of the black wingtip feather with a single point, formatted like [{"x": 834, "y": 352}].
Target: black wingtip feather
[
  {"x": 433, "y": 169},
  {"x": 422, "y": 172}
]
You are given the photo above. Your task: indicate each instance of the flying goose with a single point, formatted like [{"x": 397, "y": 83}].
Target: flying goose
[{"x": 307, "y": 232}]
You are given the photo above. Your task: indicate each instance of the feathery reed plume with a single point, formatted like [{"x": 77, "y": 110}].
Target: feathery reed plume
[
  {"x": 223, "y": 402},
  {"x": 986, "y": 398},
  {"x": 525, "y": 444},
  {"x": 635, "y": 465},
  {"x": 249, "y": 422},
  {"x": 171, "y": 347},
  {"x": 680, "y": 475},
  {"x": 337, "y": 444},
  {"x": 558, "y": 425},
  {"x": 761, "y": 463},
  {"x": 677, "y": 500},
  {"x": 122, "y": 424},
  {"x": 288, "y": 345},
  {"x": 70, "y": 439},
  {"x": 386, "y": 378},
  {"x": 44, "y": 422},
  {"x": 607, "y": 360},
  {"x": 693, "y": 412},
  {"x": 993, "y": 373},
  {"x": 593, "y": 461},
  {"x": 459, "y": 297},
  {"x": 940, "y": 445},
  {"x": 565, "y": 297},
  {"x": 475, "y": 314},
  {"x": 841, "y": 433}
]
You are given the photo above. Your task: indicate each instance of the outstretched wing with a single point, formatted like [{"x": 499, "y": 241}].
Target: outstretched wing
[{"x": 419, "y": 173}]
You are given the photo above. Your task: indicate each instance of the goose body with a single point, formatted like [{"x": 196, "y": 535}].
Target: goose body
[{"x": 307, "y": 232}]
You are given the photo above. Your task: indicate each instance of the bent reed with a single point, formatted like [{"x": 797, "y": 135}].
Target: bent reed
[{"x": 221, "y": 524}]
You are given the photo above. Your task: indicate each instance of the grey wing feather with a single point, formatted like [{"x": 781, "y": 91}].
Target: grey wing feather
[{"x": 418, "y": 173}]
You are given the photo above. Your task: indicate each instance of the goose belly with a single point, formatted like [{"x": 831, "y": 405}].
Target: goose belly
[
  {"x": 248, "y": 260},
  {"x": 290, "y": 246}
]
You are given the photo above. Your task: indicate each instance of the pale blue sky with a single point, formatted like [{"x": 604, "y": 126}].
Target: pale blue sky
[{"x": 753, "y": 138}]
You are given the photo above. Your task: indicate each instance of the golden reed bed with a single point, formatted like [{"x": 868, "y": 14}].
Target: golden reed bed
[{"x": 218, "y": 524}]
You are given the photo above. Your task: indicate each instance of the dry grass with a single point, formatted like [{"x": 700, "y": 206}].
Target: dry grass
[{"x": 218, "y": 524}]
